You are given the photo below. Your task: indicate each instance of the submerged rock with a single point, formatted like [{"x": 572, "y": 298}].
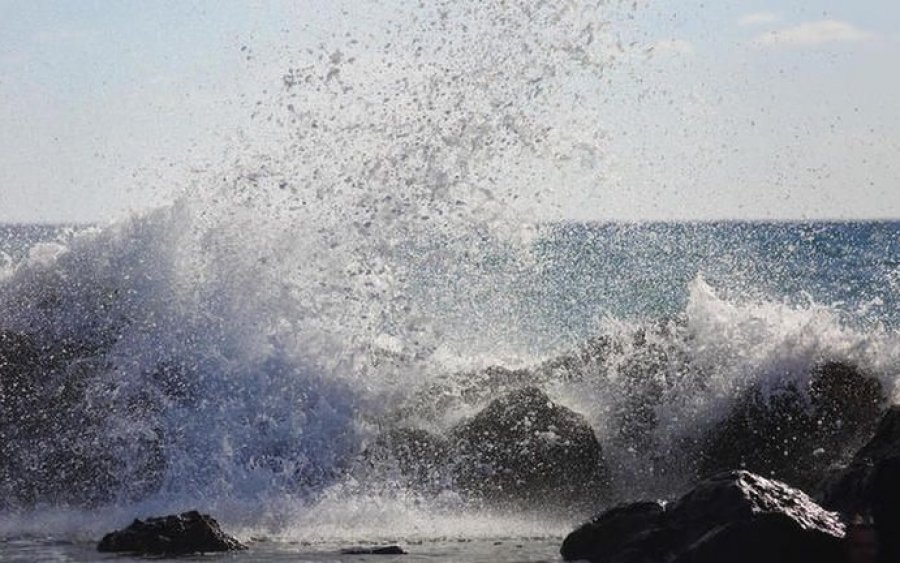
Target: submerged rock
[
  {"x": 183, "y": 534},
  {"x": 736, "y": 516},
  {"x": 796, "y": 433},
  {"x": 525, "y": 451},
  {"x": 380, "y": 550}
]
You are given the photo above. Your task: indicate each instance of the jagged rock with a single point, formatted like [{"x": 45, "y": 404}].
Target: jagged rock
[
  {"x": 183, "y": 534},
  {"x": 524, "y": 451},
  {"x": 870, "y": 485},
  {"x": 734, "y": 516},
  {"x": 796, "y": 433}
]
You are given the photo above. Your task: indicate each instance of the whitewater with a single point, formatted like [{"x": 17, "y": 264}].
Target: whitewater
[{"x": 366, "y": 258}]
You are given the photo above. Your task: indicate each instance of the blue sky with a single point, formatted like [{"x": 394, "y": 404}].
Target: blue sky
[{"x": 727, "y": 109}]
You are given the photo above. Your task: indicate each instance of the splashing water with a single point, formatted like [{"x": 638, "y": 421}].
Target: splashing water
[{"x": 380, "y": 236}]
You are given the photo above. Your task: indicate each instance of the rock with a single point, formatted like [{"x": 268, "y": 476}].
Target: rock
[
  {"x": 20, "y": 382},
  {"x": 183, "y": 534},
  {"x": 747, "y": 509},
  {"x": 850, "y": 490},
  {"x": 615, "y": 532},
  {"x": 734, "y": 516},
  {"x": 870, "y": 485},
  {"x": 524, "y": 451},
  {"x": 58, "y": 400},
  {"x": 773, "y": 538},
  {"x": 796, "y": 433},
  {"x": 382, "y": 550},
  {"x": 422, "y": 458}
]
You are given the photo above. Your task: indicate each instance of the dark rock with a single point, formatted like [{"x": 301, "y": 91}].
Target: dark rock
[
  {"x": 462, "y": 390},
  {"x": 741, "y": 497},
  {"x": 735, "y": 516},
  {"x": 524, "y": 451},
  {"x": 617, "y": 531},
  {"x": 656, "y": 364},
  {"x": 773, "y": 538},
  {"x": 851, "y": 490},
  {"x": 870, "y": 485},
  {"x": 382, "y": 550},
  {"x": 20, "y": 383},
  {"x": 797, "y": 432},
  {"x": 51, "y": 397},
  {"x": 423, "y": 459},
  {"x": 183, "y": 534},
  {"x": 587, "y": 360}
]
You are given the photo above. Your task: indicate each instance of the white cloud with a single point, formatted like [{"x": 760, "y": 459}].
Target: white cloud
[
  {"x": 759, "y": 18},
  {"x": 665, "y": 47},
  {"x": 814, "y": 33}
]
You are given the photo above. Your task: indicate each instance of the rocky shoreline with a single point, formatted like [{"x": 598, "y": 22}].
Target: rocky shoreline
[
  {"x": 830, "y": 432},
  {"x": 735, "y": 515}
]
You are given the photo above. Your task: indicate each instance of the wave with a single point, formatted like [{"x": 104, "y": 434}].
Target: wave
[
  {"x": 143, "y": 371},
  {"x": 375, "y": 253}
]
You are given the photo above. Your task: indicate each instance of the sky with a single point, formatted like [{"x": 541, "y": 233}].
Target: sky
[{"x": 752, "y": 109}]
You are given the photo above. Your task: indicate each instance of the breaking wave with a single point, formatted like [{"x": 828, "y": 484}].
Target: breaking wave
[{"x": 367, "y": 255}]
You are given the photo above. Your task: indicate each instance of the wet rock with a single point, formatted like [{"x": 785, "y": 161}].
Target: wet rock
[
  {"x": 422, "y": 459},
  {"x": 656, "y": 363},
  {"x": 183, "y": 534},
  {"x": 797, "y": 432},
  {"x": 734, "y": 516},
  {"x": 770, "y": 538},
  {"x": 589, "y": 360},
  {"x": 525, "y": 451},
  {"x": 20, "y": 382},
  {"x": 851, "y": 490},
  {"x": 869, "y": 487},
  {"x": 746, "y": 508},
  {"x": 56, "y": 428},
  {"x": 462, "y": 390},
  {"x": 380, "y": 550},
  {"x": 621, "y": 532}
]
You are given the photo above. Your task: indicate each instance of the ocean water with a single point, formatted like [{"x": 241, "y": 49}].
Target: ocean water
[
  {"x": 381, "y": 233},
  {"x": 259, "y": 412}
]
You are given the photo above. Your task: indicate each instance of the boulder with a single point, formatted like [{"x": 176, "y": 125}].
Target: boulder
[
  {"x": 50, "y": 397},
  {"x": 734, "y": 516},
  {"x": 797, "y": 431},
  {"x": 620, "y": 533},
  {"x": 869, "y": 487},
  {"x": 525, "y": 451},
  {"x": 740, "y": 516},
  {"x": 183, "y": 534},
  {"x": 421, "y": 458},
  {"x": 773, "y": 538},
  {"x": 20, "y": 383}
]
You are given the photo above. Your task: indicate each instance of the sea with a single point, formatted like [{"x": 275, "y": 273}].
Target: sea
[
  {"x": 383, "y": 232},
  {"x": 259, "y": 390}
]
